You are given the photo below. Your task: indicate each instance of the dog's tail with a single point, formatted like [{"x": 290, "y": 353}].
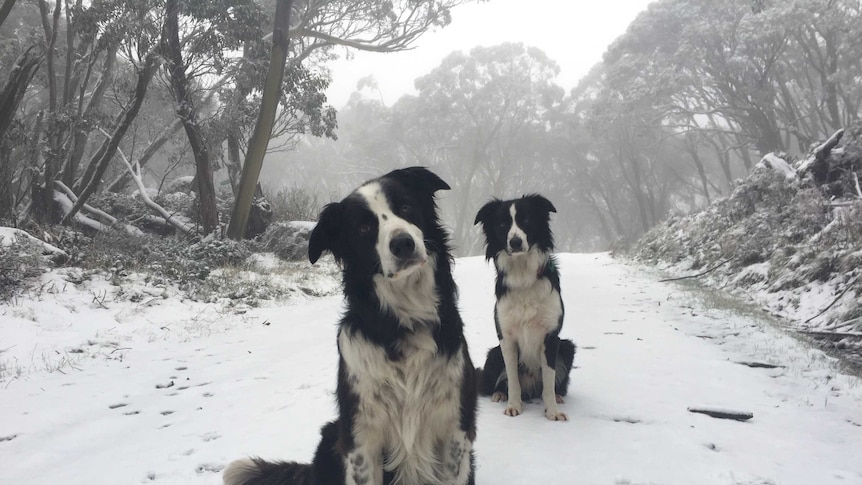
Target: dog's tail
[{"x": 254, "y": 471}]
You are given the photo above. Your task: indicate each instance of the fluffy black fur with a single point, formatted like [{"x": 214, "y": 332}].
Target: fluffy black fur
[
  {"x": 504, "y": 246},
  {"x": 349, "y": 230},
  {"x": 493, "y": 376}
]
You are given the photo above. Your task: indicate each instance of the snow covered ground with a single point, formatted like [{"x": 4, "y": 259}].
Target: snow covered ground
[{"x": 174, "y": 407}]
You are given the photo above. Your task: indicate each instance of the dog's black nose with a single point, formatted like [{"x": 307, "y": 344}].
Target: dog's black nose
[
  {"x": 516, "y": 243},
  {"x": 402, "y": 245}
]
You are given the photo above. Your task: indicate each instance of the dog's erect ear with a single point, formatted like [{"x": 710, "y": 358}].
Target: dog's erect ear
[
  {"x": 487, "y": 210},
  {"x": 418, "y": 178},
  {"x": 542, "y": 203},
  {"x": 324, "y": 236}
]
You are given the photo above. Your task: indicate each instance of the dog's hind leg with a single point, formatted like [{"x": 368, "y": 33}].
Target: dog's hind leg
[
  {"x": 565, "y": 358},
  {"x": 549, "y": 375},
  {"x": 492, "y": 378}
]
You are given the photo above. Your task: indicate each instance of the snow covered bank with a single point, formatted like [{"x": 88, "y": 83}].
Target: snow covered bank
[
  {"x": 177, "y": 410},
  {"x": 788, "y": 238}
]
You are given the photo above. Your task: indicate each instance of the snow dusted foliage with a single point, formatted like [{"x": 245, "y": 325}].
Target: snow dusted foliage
[
  {"x": 789, "y": 237},
  {"x": 288, "y": 240}
]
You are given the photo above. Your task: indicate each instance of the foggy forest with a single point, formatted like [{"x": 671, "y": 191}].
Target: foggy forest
[
  {"x": 162, "y": 163},
  {"x": 683, "y": 105}
]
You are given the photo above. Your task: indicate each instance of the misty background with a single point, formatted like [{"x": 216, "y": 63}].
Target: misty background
[
  {"x": 683, "y": 104},
  {"x": 621, "y": 113}
]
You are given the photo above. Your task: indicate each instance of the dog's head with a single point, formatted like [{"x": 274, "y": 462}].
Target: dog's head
[
  {"x": 516, "y": 226},
  {"x": 384, "y": 227}
]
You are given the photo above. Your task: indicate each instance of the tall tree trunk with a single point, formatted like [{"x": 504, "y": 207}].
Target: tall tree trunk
[
  {"x": 234, "y": 165},
  {"x": 830, "y": 88},
  {"x": 5, "y": 9},
  {"x": 244, "y": 86},
  {"x": 109, "y": 148},
  {"x": 188, "y": 114},
  {"x": 13, "y": 92},
  {"x": 45, "y": 202},
  {"x": 263, "y": 129},
  {"x": 7, "y": 200},
  {"x": 701, "y": 172},
  {"x": 79, "y": 140}
]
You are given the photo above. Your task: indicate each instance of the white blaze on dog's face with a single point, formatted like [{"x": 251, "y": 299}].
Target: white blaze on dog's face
[
  {"x": 516, "y": 238},
  {"x": 400, "y": 244}
]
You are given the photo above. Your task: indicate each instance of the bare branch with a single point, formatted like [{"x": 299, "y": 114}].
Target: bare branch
[{"x": 142, "y": 190}]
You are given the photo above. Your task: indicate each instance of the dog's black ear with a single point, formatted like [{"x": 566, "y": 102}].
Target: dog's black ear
[
  {"x": 418, "y": 178},
  {"x": 542, "y": 203},
  {"x": 324, "y": 236},
  {"x": 486, "y": 212}
]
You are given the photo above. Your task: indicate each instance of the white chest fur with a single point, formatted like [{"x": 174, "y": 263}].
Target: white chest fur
[
  {"x": 409, "y": 410},
  {"x": 412, "y": 298},
  {"x": 531, "y": 308}
]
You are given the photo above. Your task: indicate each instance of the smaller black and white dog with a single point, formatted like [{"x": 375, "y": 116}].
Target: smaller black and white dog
[
  {"x": 531, "y": 360},
  {"x": 406, "y": 388}
]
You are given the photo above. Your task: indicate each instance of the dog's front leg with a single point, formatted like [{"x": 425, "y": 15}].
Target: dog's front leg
[
  {"x": 509, "y": 347},
  {"x": 456, "y": 460},
  {"x": 549, "y": 375},
  {"x": 363, "y": 466}
]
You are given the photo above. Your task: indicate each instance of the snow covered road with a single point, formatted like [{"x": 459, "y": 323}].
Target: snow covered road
[{"x": 178, "y": 412}]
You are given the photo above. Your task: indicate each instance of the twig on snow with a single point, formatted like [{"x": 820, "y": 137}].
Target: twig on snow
[
  {"x": 710, "y": 270},
  {"x": 846, "y": 288},
  {"x": 722, "y": 413},
  {"x": 819, "y": 333}
]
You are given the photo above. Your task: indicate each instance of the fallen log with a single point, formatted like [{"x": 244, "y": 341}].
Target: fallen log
[{"x": 722, "y": 413}]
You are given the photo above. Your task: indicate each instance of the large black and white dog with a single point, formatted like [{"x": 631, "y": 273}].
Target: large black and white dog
[
  {"x": 406, "y": 389},
  {"x": 531, "y": 360}
]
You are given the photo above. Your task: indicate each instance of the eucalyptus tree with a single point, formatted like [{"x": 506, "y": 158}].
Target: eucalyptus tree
[
  {"x": 317, "y": 27},
  {"x": 769, "y": 76},
  {"x": 479, "y": 119}
]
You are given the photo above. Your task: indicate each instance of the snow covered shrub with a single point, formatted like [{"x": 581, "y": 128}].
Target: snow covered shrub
[
  {"x": 121, "y": 206},
  {"x": 234, "y": 285},
  {"x": 20, "y": 263},
  {"x": 220, "y": 252},
  {"x": 118, "y": 249},
  {"x": 294, "y": 204},
  {"x": 288, "y": 240},
  {"x": 789, "y": 232},
  {"x": 181, "y": 203}
]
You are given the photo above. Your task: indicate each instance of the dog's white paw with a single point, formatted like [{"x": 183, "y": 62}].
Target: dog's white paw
[
  {"x": 513, "y": 410},
  {"x": 560, "y": 399},
  {"x": 556, "y": 415},
  {"x": 499, "y": 397}
]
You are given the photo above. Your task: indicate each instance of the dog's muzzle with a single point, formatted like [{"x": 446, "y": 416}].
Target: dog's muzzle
[
  {"x": 403, "y": 248},
  {"x": 516, "y": 245}
]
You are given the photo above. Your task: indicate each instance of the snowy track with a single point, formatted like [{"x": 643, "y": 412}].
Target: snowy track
[{"x": 177, "y": 413}]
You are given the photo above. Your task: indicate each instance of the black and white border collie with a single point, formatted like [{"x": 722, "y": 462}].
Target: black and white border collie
[
  {"x": 406, "y": 388},
  {"x": 531, "y": 360}
]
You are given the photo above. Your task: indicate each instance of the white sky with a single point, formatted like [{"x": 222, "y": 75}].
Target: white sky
[{"x": 574, "y": 33}]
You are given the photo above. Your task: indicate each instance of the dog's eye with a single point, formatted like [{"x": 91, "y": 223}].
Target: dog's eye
[
  {"x": 526, "y": 220},
  {"x": 503, "y": 223},
  {"x": 405, "y": 209},
  {"x": 364, "y": 228}
]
